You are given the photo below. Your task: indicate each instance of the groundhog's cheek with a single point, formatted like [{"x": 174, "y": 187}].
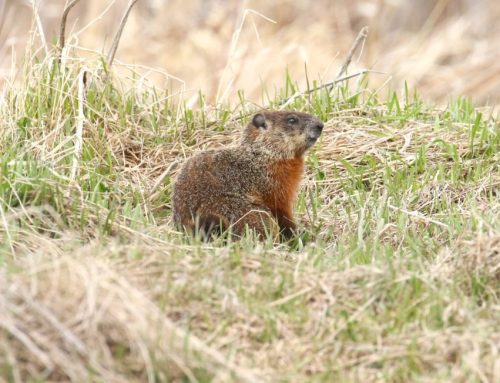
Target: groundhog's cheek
[
  {"x": 297, "y": 144},
  {"x": 300, "y": 140}
]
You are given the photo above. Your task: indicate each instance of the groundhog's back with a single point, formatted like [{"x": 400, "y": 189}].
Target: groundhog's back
[{"x": 212, "y": 177}]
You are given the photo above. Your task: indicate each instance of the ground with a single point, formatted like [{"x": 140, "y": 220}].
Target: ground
[{"x": 396, "y": 277}]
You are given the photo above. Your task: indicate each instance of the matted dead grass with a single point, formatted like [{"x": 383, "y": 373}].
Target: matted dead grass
[{"x": 119, "y": 311}]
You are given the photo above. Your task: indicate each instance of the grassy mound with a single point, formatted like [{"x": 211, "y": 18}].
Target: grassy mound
[{"x": 399, "y": 281}]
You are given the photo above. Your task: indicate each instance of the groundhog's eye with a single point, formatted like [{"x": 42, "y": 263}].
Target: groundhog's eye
[{"x": 292, "y": 120}]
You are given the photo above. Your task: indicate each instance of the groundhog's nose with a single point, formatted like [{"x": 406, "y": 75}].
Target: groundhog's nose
[
  {"x": 313, "y": 132},
  {"x": 319, "y": 127},
  {"x": 316, "y": 129}
]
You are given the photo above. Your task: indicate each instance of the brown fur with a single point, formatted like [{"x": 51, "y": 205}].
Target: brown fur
[
  {"x": 254, "y": 184},
  {"x": 283, "y": 192}
]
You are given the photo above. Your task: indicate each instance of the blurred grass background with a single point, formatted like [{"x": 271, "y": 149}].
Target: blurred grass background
[{"x": 443, "y": 48}]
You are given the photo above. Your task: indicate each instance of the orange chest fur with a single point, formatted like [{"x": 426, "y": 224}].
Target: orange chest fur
[{"x": 285, "y": 176}]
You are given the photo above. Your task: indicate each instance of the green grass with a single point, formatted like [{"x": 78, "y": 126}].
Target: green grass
[{"x": 397, "y": 280}]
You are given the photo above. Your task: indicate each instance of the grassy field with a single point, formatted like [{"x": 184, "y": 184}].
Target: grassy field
[{"x": 399, "y": 280}]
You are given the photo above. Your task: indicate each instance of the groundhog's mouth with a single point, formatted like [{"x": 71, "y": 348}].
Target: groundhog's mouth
[
  {"x": 313, "y": 133},
  {"x": 310, "y": 141}
]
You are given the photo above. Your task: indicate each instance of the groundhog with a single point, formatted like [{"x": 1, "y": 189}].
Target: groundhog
[{"x": 254, "y": 184}]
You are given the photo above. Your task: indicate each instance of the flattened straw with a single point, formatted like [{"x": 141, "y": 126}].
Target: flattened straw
[
  {"x": 23, "y": 337},
  {"x": 116, "y": 41},
  {"x": 419, "y": 216},
  {"x": 160, "y": 179}
]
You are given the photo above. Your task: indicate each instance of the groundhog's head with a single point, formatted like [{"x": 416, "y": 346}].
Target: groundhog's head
[{"x": 288, "y": 134}]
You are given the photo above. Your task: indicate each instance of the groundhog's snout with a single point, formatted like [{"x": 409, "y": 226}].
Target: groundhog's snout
[{"x": 313, "y": 131}]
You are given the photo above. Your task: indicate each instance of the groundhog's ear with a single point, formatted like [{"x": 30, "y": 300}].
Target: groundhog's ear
[{"x": 259, "y": 121}]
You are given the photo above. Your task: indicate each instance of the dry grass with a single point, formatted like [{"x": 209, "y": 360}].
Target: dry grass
[
  {"x": 91, "y": 312},
  {"x": 120, "y": 310},
  {"x": 441, "y": 47},
  {"x": 399, "y": 279}
]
